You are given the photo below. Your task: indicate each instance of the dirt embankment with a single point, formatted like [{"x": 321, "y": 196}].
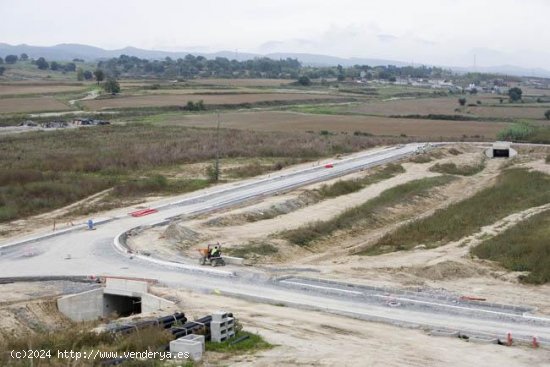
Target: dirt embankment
[
  {"x": 306, "y": 338},
  {"x": 29, "y": 307}
]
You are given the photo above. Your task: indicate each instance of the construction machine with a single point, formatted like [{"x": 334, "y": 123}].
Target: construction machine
[{"x": 211, "y": 255}]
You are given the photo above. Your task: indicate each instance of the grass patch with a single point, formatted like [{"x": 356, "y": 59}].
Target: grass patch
[
  {"x": 421, "y": 158},
  {"x": 453, "y": 169},
  {"x": 344, "y": 187},
  {"x": 42, "y": 171},
  {"x": 323, "y": 109},
  {"x": 365, "y": 213},
  {"x": 253, "y": 344},
  {"x": 28, "y": 192},
  {"x": 515, "y": 190},
  {"x": 256, "y": 168},
  {"x": 81, "y": 339},
  {"x": 523, "y": 247},
  {"x": 526, "y": 132},
  {"x": 251, "y": 249},
  {"x": 157, "y": 184},
  {"x": 516, "y": 132}
]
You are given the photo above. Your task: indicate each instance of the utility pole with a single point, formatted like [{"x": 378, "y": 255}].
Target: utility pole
[{"x": 217, "y": 164}]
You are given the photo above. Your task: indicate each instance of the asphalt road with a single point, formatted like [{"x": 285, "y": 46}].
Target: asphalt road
[{"x": 83, "y": 252}]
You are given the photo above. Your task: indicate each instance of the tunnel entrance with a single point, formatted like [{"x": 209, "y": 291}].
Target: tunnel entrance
[
  {"x": 501, "y": 153},
  {"x": 121, "y": 305}
]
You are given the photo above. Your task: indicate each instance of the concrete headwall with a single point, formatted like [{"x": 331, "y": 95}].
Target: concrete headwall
[
  {"x": 83, "y": 306},
  {"x": 125, "y": 286},
  {"x": 150, "y": 303},
  {"x": 120, "y": 296}
]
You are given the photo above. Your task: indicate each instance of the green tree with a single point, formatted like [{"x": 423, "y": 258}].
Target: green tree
[
  {"x": 111, "y": 86},
  {"x": 11, "y": 59},
  {"x": 69, "y": 67},
  {"x": 99, "y": 75},
  {"x": 42, "y": 64},
  {"x": 304, "y": 80},
  {"x": 1, "y": 61},
  {"x": 24, "y": 57},
  {"x": 2, "y": 69},
  {"x": 88, "y": 75},
  {"x": 462, "y": 101},
  {"x": 80, "y": 74},
  {"x": 547, "y": 114},
  {"x": 515, "y": 94},
  {"x": 213, "y": 172},
  {"x": 54, "y": 65}
]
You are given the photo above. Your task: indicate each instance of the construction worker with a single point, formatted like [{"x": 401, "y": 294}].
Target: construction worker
[{"x": 215, "y": 252}]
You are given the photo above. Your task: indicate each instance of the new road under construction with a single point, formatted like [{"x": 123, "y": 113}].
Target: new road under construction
[{"x": 99, "y": 248}]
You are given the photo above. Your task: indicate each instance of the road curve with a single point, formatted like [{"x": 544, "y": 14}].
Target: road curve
[{"x": 78, "y": 251}]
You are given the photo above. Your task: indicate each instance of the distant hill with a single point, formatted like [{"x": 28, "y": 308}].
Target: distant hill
[{"x": 69, "y": 51}]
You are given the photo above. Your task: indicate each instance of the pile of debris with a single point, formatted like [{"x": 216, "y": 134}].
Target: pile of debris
[
  {"x": 56, "y": 124},
  {"x": 59, "y": 124},
  {"x": 89, "y": 121}
]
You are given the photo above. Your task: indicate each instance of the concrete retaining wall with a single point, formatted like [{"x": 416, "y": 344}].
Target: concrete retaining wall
[
  {"x": 150, "y": 303},
  {"x": 83, "y": 306}
]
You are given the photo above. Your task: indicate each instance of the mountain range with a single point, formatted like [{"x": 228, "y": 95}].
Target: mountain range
[{"x": 69, "y": 51}]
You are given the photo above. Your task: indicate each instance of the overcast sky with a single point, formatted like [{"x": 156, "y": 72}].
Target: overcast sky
[{"x": 443, "y": 32}]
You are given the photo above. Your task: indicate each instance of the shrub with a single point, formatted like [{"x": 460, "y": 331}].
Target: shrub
[
  {"x": 263, "y": 249},
  {"x": 453, "y": 169},
  {"x": 253, "y": 343},
  {"x": 304, "y": 81},
  {"x": 523, "y": 247},
  {"x": 195, "y": 106},
  {"x": 421, "y": 158},
  {"x": 516, "y": 132}
]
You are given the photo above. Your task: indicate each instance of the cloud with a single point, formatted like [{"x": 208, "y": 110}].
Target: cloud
[{"x": 386, "y": 38}]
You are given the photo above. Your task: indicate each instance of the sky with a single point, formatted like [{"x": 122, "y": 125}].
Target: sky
[{"x": 438, "y": 32}]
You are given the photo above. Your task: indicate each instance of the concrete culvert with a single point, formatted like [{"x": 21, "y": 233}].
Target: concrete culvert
[
  {"x": 500, "y": 149},
  {"x": 121, "y": 305}
]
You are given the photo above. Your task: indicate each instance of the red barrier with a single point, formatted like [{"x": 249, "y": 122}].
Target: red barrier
[
  {"x": 141, "y": 213},
  {"x": 470, "y": 298},
  {"x": 329, "y": 165}
]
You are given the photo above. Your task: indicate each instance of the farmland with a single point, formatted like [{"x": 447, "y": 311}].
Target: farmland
[
  {"x": 37, "y": 88},
  {"x": 292, "y": 121},
  {"x": 490, "y": 107},
  {"x": 209, "y": 99},
  {"x": 31, "y": 104}
]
